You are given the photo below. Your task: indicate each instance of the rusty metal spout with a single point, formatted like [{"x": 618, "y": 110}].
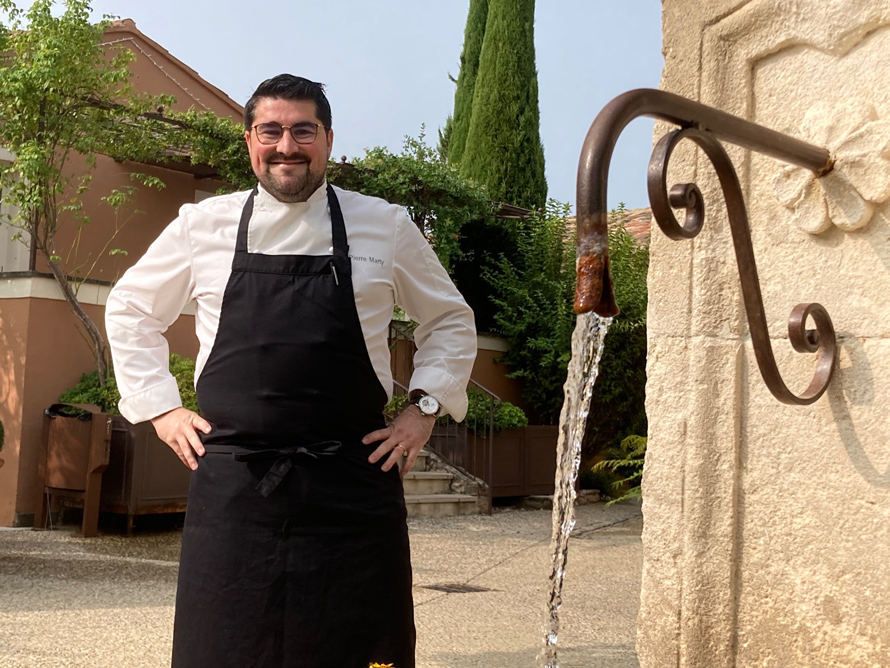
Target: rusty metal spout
[{"x": 593, "y": 288}]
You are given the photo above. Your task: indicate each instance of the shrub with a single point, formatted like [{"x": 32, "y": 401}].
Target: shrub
[
  {"x": 506, "y": 415},
  {"x": 183, "y": 370},
  {"x": 534, "y": 312},
  {"x": 395, "y": 406},
  {"x": 533, "y": 308},
  {"x": 479, "y": 413},
  {"x": 88, "y": 390},
  {"x": 509, "y": 416}
]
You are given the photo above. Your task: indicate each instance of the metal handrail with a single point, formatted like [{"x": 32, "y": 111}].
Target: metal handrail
[
  {"x": 469, "y": 449},
  {"x": 487, "y": 391},
  {"x": 702, "y": 125}
]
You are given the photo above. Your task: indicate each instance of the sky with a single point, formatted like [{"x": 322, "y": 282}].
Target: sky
[{"x": 386, "y": 65}]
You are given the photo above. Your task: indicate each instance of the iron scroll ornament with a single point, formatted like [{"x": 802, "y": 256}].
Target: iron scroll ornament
[{"x": 702, "y": 125}]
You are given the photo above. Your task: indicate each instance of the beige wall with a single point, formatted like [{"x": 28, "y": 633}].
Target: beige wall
[
  {"x": 491, "y": 374},
  {"x": 135, "y": 227},
  {"x": 767, "y": 527},
  {"x": 13, "y": 337}
]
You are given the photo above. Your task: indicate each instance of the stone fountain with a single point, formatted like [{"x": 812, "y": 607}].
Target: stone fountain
[{"x": 767, "y": 484}]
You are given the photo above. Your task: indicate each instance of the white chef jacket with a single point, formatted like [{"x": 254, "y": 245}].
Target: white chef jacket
[{"x": 392, "y": 264}]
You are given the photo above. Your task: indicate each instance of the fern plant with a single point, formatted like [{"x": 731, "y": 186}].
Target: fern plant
[{"x": 626, "y": 460}]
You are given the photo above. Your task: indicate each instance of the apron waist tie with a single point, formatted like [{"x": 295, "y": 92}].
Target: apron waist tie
[{"x": 282, "y": 465}]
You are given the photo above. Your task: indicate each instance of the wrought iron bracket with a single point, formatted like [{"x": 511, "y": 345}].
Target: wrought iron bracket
[{"x": 704, "y": 126}]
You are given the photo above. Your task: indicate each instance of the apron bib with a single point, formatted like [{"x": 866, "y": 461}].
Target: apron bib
[{"x": 295, "y": 549}]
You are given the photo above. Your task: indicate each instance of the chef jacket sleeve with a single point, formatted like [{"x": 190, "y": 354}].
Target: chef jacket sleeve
[
  {"x": 446, "y": 334},
  {"x": 145, "y": 302}
]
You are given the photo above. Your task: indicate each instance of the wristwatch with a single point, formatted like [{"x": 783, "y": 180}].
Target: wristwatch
[{"x": 427, "y": 404}]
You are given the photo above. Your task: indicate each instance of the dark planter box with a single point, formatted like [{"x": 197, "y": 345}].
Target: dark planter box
[
  {"x": 77, "y": 451},
  {"x": 144, "y": 476}
]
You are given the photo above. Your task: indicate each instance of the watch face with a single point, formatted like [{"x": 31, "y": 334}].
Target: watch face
[{"x": 428, "y": 405}]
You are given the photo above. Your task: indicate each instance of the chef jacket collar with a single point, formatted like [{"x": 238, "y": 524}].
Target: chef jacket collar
[{"x": 266, "y": 202}]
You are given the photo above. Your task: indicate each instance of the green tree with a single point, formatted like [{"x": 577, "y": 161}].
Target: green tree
[
  {"x": 215, "y": 142},
  {"x": 458, "y": 126},
  {"x": 534, "y": 312},
  {"x": 63, "y": 96},
  {"x": 618, "y": 407},
  {"x": 439, "y": 200},
  {"x": 534, "y": 307},
  {"x": 503, "y": 147}
]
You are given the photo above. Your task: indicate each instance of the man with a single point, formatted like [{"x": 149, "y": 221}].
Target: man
[{"x": 295, "y": 547}]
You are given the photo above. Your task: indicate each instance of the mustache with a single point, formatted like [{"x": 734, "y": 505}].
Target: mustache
[{"x": 297, "y": 155}]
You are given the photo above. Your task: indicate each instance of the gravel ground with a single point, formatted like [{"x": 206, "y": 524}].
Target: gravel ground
[{"x": 107, "y": 602}]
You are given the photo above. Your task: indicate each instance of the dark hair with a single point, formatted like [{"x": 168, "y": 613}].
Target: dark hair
[{"x": 289, "y": 87}]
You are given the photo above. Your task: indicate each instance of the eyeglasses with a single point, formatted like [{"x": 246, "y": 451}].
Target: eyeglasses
[{"x": 271, "y": 133}]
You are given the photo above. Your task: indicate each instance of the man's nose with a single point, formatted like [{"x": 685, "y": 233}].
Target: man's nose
[{"x": 287, "y": 143}]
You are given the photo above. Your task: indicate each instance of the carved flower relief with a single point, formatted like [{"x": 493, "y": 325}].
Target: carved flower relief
[{"x": 859, "y": 142}]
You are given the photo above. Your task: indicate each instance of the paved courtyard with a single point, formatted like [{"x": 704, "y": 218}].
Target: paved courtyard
[{"x": 69, "y": 602}]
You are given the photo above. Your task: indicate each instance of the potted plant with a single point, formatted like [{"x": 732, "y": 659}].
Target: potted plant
[{"x": 141, "y": 474}]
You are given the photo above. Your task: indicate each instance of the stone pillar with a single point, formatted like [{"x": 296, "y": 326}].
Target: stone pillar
[{"x": 767, "y": 526}]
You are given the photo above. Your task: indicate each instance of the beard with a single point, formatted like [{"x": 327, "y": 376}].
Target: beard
[{"x": 296, "y": 186}]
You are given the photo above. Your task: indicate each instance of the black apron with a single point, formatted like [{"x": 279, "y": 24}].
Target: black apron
[{"x": 295, "y": 548}]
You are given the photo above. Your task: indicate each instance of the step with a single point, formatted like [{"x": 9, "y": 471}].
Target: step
[
  {"x": 427, "y": 482},
  {"x": 440, "y": 505},
  {"x": 421, "y": 463}
]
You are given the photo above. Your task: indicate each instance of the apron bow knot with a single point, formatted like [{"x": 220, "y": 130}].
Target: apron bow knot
[{"x": 282, "y": 465}]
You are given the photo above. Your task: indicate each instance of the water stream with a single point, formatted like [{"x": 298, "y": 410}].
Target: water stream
[{"x": 587, "y": 349}]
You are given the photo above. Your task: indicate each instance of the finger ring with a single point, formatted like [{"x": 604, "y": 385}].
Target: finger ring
[{"x": 400, "y": 446}]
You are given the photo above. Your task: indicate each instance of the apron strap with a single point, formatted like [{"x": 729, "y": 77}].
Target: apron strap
[
  {"x": 338, "y": 227},
  {"x": 246, "y": 213}
]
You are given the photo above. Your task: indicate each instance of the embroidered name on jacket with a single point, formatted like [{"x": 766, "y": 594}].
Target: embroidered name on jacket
[{"x": 362, "y": 258}]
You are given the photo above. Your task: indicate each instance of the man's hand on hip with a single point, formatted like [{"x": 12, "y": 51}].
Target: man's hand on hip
[
  {"x": 404, "y": 437},
  {"x": 178, "y": 429}
]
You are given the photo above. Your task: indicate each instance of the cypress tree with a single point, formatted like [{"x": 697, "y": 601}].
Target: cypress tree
[
  {"x": 503, "y": 148},
  {"x": 445, "y": 139},
  {"x": 474, "y": 34}
]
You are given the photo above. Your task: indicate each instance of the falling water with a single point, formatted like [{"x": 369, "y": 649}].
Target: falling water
[{"x": 587, "y": 348}]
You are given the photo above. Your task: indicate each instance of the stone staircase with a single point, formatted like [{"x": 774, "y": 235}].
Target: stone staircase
[{"x": 429, "y": 491}]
